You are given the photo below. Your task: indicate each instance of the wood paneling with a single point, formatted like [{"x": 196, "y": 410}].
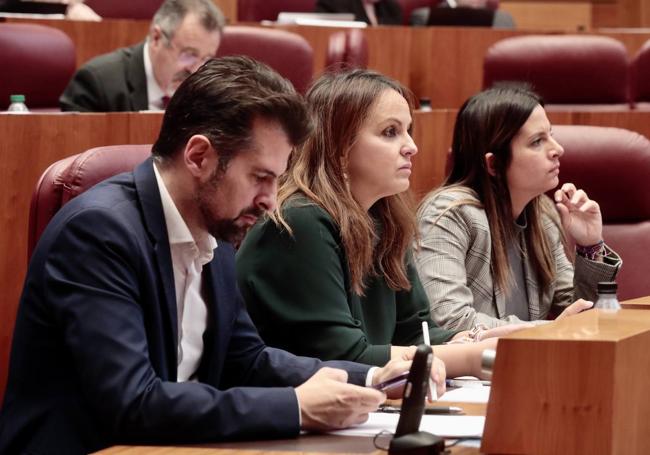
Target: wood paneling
[
  {"x": 567, "y": 16},
  {"x": 574, "y": 387}
]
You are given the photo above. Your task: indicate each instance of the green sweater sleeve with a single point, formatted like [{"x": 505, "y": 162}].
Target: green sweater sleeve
[{"x": 296, "y": 287}]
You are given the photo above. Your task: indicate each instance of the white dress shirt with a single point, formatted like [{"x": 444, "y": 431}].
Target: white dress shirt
[
  {"x": 154, "y": 93},
  {"x": 189, "y": 255}
]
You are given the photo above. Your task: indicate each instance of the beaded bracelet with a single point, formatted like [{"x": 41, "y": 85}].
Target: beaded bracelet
[{"x": 590, "y": 252}]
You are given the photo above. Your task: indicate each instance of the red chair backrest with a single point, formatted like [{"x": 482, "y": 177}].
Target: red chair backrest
[
  {"x": 71, "y": 176},
  {"x": 268, "y": 10},
  {"x": 125, "y": 9},
  {"x": 408, "y": 6},
  {"x": 347, "y": 49},
  {"x": 288, "y": 53},
  {"x": 564, "y": 69},
  {"x": 613, "y": 166},
  {"x": 38, "y": 62}
]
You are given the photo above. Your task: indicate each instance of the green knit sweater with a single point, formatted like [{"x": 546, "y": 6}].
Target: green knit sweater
[{"x": 298, "y": 292}]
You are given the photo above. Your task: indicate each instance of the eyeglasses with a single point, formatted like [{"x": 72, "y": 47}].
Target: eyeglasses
[{"x": 186, "y": 57}]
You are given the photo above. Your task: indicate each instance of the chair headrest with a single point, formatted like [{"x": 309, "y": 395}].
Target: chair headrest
[
  {"x": 564, "y": 69},
  {"x": 288, "y": 53},
  {"x": 612, "y": 165}
]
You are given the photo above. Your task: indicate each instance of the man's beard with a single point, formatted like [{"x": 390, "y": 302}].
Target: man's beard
[{"x": 226, "y": 229}]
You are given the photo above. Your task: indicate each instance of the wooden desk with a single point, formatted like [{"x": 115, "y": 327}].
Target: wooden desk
[
  {"x": 642, "y": 303},
  {"x": 577, "y": 386},
  {"x": 306, "y": 444}
]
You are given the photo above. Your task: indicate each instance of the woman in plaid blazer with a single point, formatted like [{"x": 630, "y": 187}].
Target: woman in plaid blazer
[{"x": 492, "y": 247}]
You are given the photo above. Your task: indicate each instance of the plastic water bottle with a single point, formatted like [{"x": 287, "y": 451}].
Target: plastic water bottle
[
  {"x": 425, "y": 105},
  {"x": 17, "y": 105},
  {"x": 607, "y": 299}
]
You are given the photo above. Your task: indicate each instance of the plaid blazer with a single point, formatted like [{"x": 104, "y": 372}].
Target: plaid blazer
[{"x": 453, "y": 260}]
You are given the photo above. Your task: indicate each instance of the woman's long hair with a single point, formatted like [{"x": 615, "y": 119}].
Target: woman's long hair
[
  {"x": 487, "y": 123},
  {"x": 375, "y": 241}
]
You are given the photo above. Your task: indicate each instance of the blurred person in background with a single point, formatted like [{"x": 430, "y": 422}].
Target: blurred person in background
[{"x": 183, "y": 35}]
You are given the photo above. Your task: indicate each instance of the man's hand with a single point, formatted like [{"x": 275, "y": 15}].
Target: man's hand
[{"x": 328, "y": 402}]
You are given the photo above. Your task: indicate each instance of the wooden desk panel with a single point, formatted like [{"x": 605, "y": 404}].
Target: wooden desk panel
[
  {"x": 642, "y": 303},
  {"x": 570, "y": 16},
  {"x": 577, "y": 386}
]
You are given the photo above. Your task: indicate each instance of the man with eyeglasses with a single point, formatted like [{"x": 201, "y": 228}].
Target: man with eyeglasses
[{"x": 183, "y": 35}]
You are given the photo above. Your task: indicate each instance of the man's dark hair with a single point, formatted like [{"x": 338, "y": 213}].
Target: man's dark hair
[{"x": 221, "y": 100}]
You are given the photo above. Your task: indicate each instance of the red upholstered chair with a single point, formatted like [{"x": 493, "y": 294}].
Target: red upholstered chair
[
  {"x": 268, "y": 10},
  {"x": 640, "y": 78},
  {"x": 408, "y": 6},
  {"x": 347, "y": 49},
  {"x": 125, "y": 9},
  {"x": 73, "y": 175},
  {"x": 569, "y": 71},
  {"x": 38, "y": 62},
  {"x": 613, "y": 166},
  {"x": 287, "y": 53}
]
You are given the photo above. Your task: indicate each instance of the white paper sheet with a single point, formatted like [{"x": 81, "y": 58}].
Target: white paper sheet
[
  {"x": 442, "y": 425},
  {"x": 467, "y": 395}
]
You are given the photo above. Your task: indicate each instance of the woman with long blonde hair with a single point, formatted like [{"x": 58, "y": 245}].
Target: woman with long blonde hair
[{"x": 330, "y": 274}]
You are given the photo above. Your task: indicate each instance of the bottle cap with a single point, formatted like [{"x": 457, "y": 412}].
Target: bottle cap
[
  {"x": 607, "y": 287},
  {"x": 17, "y": 98}
]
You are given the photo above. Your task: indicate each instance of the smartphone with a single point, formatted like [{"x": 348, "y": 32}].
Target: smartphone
[
  {"x": 396, "y": 381},
  {"x": 415, "y": 391}
]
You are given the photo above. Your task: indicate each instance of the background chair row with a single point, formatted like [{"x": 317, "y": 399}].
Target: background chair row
[
  {"x": 40, "y": 60},
  {"x": 259, "y": 10},
  {"x": 597, "y": 159},
  {"x": 573, "y": 71}
]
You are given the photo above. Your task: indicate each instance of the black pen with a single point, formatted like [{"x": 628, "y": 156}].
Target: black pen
[{"x": 427, "y": 410}]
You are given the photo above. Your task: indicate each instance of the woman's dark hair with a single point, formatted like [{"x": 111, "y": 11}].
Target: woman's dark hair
[{"x": 487, "y": 123}]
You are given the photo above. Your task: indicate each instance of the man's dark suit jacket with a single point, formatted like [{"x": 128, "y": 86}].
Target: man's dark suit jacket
[
  {"x": 93, "y": 360},
  {"x": 388, "y": 11},
  {"x": 109, "y": 83}
]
